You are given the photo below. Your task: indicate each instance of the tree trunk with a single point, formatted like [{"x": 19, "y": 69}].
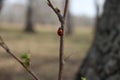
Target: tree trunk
[
  {"x": 102, "y": 60},
  {"x": 69, "y": 25},
  {"x": 29, "y": 22},
  {"x": 1, "y": 4}
]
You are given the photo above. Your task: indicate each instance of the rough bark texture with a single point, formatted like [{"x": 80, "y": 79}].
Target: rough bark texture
[
  {"x": 29, "y": 22},
  {"x": 103, "y": 59}
]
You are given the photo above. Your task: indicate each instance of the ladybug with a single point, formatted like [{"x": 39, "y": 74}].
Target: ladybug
[{"x": 60, "y": 31}]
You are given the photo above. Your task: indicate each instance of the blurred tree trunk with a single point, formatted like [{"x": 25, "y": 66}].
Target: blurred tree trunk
[
  {"x": 29, "y": 22},
  {"x": 1, "y": 4},
  {"x": 69, "y": 24},
  {"x": 103, "y": 59}
]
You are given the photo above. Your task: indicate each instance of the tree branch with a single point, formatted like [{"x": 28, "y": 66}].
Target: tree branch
[
  {"x": 6, "y": 48},
  {"x": 66, "y": 8},
  {"x": 57, "y": 11},
  {"x": 62, "y": 21}
]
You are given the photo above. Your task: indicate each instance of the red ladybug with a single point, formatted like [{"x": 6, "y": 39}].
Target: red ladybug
[{"x": 60, "y": 32}]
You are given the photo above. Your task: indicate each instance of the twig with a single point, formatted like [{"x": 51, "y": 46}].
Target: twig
[
  {"x": 57, "y": 11},
  {"x": 6, "y": 48},
  {"x": 66, "y": 9},
  {"x": 62, "y": 21}
]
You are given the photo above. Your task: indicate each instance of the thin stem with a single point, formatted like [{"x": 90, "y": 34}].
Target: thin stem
[
  {"x": 62, "y": 21},
  {"x": 61, "y": 58},
  {"x": 60, "y": 17},
  {"x": 61, "y": 52},
  {"x": 66, "y": 8},
  {"x": 6, "y": 48}
]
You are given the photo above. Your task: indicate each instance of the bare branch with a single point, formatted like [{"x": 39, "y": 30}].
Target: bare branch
[
  {"x": 66, "y": 8},
  {"x": 62, "y": 21},
  {"x": 56, "y": 11},
  {"x": 6, "y": 48}
]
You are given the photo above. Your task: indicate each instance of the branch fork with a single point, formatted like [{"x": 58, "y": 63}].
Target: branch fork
[{"x": 62, "y": 21}]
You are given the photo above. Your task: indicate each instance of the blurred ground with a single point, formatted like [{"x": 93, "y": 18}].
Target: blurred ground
[{"x": 44, "y": 47}]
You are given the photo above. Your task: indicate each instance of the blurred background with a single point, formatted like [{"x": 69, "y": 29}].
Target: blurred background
[{"x": 30, "y": 26}]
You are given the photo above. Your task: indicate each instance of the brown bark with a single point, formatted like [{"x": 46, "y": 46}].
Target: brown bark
[{"x": 102, "y": 60}]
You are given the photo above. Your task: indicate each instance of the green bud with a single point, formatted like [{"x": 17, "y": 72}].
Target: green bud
[
  {"x": 27, "y": 63},
  {"x": 25, "y": 56},
  {"x": 83, "y": 78}
]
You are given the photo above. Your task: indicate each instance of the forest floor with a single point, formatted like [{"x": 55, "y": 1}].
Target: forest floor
[{"x": 43, "y": 46}]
